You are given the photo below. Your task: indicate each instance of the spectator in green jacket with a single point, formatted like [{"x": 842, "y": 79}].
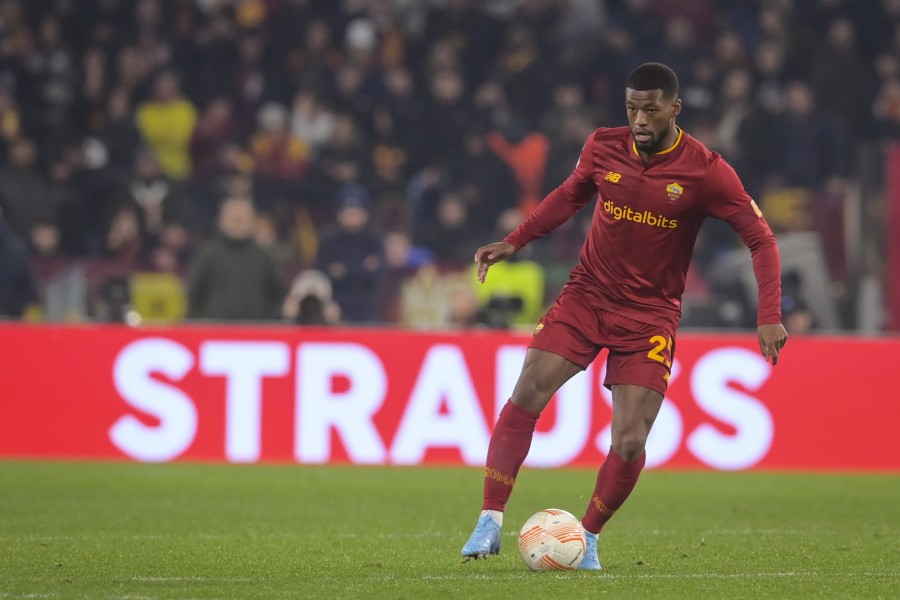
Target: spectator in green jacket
[{"x": 231, "y": 276}]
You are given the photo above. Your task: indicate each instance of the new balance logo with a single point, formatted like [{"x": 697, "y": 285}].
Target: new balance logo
[{"x": 612, "y": 177}]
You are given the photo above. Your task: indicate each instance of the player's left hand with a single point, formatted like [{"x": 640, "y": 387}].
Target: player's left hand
[{"x": 772, "y": 339}]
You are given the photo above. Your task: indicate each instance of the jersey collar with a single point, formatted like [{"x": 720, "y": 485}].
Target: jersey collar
[{"x": 662, "y": 152}]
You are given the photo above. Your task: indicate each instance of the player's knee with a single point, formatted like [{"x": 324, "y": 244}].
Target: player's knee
[
  {"x": 629, "y": 447},
  {"x": 532, "y": 396},
  {"x": 530, "y": 402}
]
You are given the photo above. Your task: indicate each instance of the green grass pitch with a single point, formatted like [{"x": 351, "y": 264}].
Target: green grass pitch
[{"x": 129, "y": 531}]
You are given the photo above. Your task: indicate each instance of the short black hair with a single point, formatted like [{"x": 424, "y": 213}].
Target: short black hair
[{"x": 654, "y": 76}]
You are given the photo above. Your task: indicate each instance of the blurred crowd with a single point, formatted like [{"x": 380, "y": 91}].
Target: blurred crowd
[{"x": 339, "y": 161}]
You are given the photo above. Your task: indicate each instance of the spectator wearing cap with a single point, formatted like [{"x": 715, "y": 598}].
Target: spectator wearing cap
[
  {"x": 309, "y": 301},
  {"x": 352, "y": 255}
]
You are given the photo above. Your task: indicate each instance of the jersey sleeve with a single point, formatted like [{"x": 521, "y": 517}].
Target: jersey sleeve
[
  {"x": 563, "y": 202},
  {"x": 727, "y": 199}
]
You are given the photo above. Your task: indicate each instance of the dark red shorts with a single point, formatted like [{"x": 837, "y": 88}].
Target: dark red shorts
[{"x": 639, "y": 354}]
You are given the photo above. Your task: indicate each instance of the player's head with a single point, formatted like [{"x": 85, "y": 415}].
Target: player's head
[{"x": 652, "y": 103}]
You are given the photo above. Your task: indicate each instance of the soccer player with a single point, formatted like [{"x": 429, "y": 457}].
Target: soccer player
[{"x": 656, "y": 185}]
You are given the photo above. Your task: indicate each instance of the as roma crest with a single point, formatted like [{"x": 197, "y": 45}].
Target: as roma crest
[{"x": 674, "y": 191}]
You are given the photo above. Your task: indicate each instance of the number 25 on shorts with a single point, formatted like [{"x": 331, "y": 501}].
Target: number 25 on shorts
[{"x": 660, "y": 344}]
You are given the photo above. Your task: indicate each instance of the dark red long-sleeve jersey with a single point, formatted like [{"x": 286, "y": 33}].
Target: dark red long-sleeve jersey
[{"x": 636, "y": 256}]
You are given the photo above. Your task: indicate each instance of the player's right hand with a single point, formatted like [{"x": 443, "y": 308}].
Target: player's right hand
[{"x": 490, "y": 254}]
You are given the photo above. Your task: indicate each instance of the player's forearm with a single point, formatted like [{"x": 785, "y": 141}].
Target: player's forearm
[
  {"x": 557, "y": 208},
  {"x": 767, "y": 268}
]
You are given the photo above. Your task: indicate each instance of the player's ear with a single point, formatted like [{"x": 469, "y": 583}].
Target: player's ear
[{"x": 676, "y": 107}]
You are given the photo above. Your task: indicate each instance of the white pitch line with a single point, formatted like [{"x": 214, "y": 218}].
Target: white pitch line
[
  {"x": 766, "y": 532},
  {"x": 387, "y": 536},
  {"x": 712, "y": 575},
  {"x": 674, "y": 576},
  {"x": 193, "y": 579},
  {"x": 747, "y": 575}
]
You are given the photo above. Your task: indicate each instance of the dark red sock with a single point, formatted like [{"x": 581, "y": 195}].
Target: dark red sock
[
  {"x": 508, "y": 448},
  {"x": 615, "y": 481}
]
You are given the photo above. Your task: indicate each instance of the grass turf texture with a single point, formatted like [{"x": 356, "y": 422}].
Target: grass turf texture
[{"x": 79, "y": 530}]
